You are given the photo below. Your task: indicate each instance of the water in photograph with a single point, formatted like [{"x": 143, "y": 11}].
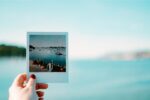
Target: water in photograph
[{"x": 55, "y": 55}]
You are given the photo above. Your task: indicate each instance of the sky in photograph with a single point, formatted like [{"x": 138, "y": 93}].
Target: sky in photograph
[
  {"x": 95, "y": 27},
  {"x": 47, "y": 40}
]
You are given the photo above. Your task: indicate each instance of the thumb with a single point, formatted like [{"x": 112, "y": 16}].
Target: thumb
[{"x": 32, "y": 81}]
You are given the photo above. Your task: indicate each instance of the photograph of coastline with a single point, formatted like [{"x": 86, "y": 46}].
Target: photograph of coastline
[{"x": 47, "y": 53}]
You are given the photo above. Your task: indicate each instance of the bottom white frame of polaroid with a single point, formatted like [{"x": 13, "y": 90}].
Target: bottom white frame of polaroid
[{"x": 49, "y": 77}]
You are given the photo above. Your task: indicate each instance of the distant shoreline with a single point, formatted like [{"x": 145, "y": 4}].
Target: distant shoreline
[
  {"x": 17, "y": 51},
  {"x": 12, "y": 51},
  {"x": 127, "y": 55}
]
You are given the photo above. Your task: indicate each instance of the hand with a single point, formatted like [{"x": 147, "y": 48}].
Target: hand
[{"x": 29, "y": 91}]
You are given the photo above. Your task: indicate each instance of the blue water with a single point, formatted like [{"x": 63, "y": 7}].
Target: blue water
[
  {"x": 89, "y": 80},
  {"x": 49, "y": 55}
]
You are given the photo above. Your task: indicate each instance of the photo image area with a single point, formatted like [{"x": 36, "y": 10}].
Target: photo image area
[{"x": 47, "y": 53}]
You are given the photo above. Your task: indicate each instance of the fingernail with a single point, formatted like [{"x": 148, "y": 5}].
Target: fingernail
[
  {"x": 47, "y": 85},
  {"x": 33, "y": 76}
]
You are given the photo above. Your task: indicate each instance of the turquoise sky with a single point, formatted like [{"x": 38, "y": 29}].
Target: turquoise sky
[{"x": 95, "y": 27}]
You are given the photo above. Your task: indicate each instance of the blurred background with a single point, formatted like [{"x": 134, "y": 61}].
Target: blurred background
[{"x": 109, "y": 46}]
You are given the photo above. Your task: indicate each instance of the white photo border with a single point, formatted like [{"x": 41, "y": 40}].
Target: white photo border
[{"x": 47, "y": 77}]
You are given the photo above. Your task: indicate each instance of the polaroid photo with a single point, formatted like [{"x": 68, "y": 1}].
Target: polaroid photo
[{"x": 47, "y": 56}]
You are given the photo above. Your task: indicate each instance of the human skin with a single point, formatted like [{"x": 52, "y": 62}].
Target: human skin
[{"x": 21, "y": 89}]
